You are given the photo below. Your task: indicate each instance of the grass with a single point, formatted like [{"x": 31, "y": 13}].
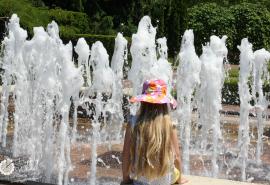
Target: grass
[{"x": 234, "y": 73}]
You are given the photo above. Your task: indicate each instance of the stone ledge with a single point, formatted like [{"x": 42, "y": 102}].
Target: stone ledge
[{"x": 198, "y": 180}]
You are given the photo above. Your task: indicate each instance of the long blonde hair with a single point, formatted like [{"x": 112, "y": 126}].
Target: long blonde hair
[{"x": 151, "y": 141}]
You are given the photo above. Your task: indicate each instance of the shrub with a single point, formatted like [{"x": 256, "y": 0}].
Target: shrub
[
  {"x": 30, "y": 16},
  {"x": 230, "y": 92},
  {"x": 77, "y": 20},
  {"x": 237, "y": 22},
  {"x": 210, "y": 19}
]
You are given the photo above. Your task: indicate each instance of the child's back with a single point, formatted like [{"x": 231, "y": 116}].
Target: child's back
[{"x": 151, "y": 150}]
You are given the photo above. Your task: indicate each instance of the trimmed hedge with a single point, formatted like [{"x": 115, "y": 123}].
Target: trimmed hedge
[
  {"x": 69, "y": 22},
  {"x": 230, "y": 91},
  {"x": 29, "y": 15}
]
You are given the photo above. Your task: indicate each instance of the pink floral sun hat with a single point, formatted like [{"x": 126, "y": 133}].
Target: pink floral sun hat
[{"x": 155, "y": 91}]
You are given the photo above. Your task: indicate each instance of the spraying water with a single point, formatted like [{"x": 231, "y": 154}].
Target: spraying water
[
  {"x": 145, "y": 65},
  {"x": 188, "y": 80},
  {"x": 97, "y": 94},
  {"x": 45, "y": 79},
  {"x": 209, "y": 103},
  {"x": 246, "y": 65},
  {"x": 162, "y": 69},
  {"x": 143, "y": 52},
  {"x": 83, "y": 51},
  {"x": 12, "y": 54},
  {"x": 119, "y": 60},
  {"x": 261, "y": 75}
]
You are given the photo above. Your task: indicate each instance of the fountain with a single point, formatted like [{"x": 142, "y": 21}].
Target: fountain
[
  {"x": 188, "y": 74},
  {"x": 209, "y": 104},
  {"x": 69, "y": 111},
  {"x": 45, "y": 80},
  {"x": 261, "y": 75},
  {"x": 246, "y": 64}
]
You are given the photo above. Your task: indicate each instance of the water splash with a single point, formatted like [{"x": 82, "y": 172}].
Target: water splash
[
  {"x": 119, "y": 60},
  {"x": 188, "y": 78},
  {"x": 83, "y": 51},
  {"x": 261, "y": 75},
  {"x": 162, "y": 69},
  {"x": 209, "y": 104},
  {"x": 246, "y": 66},
  {"x": 143, "y": 52},
  {"x": 45, "y": 79}
]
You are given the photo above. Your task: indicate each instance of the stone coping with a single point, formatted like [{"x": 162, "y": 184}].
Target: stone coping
[
  {"x": 193, "y": 180},
  {"x": 198, "y": 180}
]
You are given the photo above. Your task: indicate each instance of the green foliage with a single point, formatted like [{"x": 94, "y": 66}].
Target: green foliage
[
  {"x": 175, "y": 25},
  {"x": 237, "y": 22},
  {"x": 74, "y": 5},
  {"x": 235, "y": 18},
  {"x": 30, "y": 16},
  {"x": 101, "y": 24},
  {"x": 70, "y": 22},
  {"x": 252, "y": 21},
  {"x": 230, "y": 92},
  {"x": 234, "y": 73},
  {"x": 127, "y": 29},
  {"x": 210, "y": 19}
]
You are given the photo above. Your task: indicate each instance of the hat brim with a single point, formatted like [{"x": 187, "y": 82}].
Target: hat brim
[{"x": 160, "y": 99}]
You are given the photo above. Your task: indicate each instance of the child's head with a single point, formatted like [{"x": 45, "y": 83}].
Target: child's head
[
  {"x": 151, "y": 137},
  {"x": 155, "y": 92}
]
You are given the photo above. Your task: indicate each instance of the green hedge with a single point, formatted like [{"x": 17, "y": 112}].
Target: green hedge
[
  {"x": 236, "y": 21},
  {"x": 29, "y": 15},
  {"x": 69, "y": 22},
  {"x": 230, "y": 91}
]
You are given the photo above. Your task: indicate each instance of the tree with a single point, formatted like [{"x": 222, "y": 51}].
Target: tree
[{"x": 175, "y": 25}]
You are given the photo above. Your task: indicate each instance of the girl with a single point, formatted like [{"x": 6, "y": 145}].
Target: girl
[{"x": 151, "y": 154}]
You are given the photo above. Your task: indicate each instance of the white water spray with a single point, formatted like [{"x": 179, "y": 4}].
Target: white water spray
[
  {"x": 45, "y": 79},
  {"x": 143, "y": 52},
  {"x": 188, "y": 79},
  {"x": 162, "y": 69},
  {"x": 261, "y": 75},
  {"x": 209, "y": 103},
  {"x": 83, "y": 51},
  {"x": 246, "y": 65}
]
